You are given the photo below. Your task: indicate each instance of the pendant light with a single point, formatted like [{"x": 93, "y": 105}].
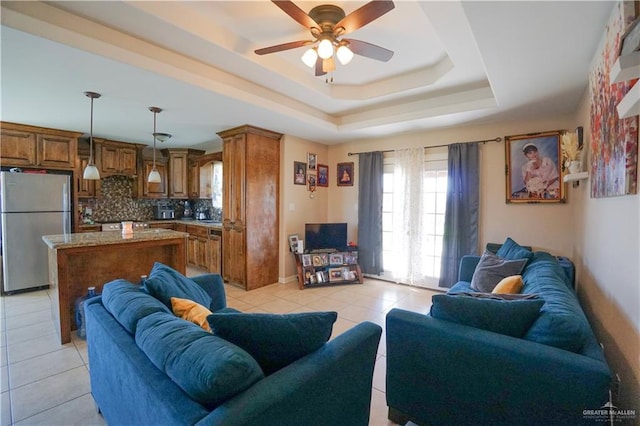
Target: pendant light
[
  {"x": 154, "y": 175},
  {"x": 91, "y": 171}
]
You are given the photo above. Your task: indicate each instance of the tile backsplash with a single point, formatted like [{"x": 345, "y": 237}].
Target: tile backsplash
[{"x": 117, "y": 204}]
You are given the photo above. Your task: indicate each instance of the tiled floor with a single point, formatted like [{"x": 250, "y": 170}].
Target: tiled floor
[{"x": 45, "y": 383}]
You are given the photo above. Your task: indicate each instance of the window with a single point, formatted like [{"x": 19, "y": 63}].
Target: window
[{"x": 433, "y": 206}]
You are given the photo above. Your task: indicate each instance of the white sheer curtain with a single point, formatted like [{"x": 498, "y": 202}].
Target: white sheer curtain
[{"x": 408, "y": 214}]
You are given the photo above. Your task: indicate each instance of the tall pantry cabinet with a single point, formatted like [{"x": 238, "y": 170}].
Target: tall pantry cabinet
[{"x": 251, "y": 170}]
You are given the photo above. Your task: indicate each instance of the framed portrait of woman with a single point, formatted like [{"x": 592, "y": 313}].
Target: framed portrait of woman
[{"x": 534, "y": 168}]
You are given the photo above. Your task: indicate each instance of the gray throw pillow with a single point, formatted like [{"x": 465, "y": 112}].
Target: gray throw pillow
[{"x": 491, "y": 269}]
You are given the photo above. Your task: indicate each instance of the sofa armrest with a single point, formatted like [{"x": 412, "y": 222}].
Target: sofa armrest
[
  {"x": 439, "y": 372},
  {"x": 468, "y": 265},
  {"x": 214, "y": 286},
  {"x": 331, "y": 385}
]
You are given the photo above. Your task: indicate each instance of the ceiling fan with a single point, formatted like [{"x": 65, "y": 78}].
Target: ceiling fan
[{"x": 327, "y": 24}]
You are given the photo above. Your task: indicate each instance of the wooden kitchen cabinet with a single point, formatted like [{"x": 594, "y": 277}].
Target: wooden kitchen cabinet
[
  {"x": 116, "y": 158},
  {"x": 85, "y": 188},
  {"x": 150, "y": 189},
  {"x": 251, "y": 159},
  {"x": 29, "y": 146},
  {"x": 193, "y": 182},
  {"x": 203, "y": 248},
  {"x": 178, "y": 171}
]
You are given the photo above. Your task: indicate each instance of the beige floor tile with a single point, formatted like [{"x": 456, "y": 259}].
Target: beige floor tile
[
  {"x": 359, "y": 314},
  {"x": 379, "y": 409},
  {"x": 28, "y": 307},
  {"x": 77, "y": 412},
  {"x": 255, "y": 297},
  {"x": 301, "y": 297},
  {"x": 34, "y": 347},
  {"x": 279, "y": 306},
  {"x": 239, "y": 305},
  {"x": 5, "y": 409},
  {"x": 379, "y": 374},
  {"x": 26, "y": 298},
  {"x": 36, "y": 397},
  {"x": 37, "y": 317},
  {"x": 326, "y": 304},
  {"x": 4, "y": 359},
  {"x": 40, "y": 367},
  {"x": 29, "y": 332}
]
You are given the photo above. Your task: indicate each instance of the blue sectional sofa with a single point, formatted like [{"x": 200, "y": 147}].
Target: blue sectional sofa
[
  {"x": 446, "y": 372},
  {"x": 149, "y": 367}
]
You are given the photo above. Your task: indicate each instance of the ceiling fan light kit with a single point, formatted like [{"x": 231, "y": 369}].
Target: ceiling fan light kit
[{"x": 327, "y": 23}]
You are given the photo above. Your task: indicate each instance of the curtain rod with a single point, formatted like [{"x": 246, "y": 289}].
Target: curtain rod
[{"x": 498, "y": 139}]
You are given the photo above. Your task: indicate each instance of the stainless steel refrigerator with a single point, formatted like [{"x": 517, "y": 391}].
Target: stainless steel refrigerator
[{"x": 31, "y": 205}]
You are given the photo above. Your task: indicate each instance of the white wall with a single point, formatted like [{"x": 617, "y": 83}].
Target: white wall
[{"x": 606, "y": 251}]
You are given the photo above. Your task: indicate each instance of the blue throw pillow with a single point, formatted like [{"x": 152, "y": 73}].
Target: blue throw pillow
[
  {"x": 274, "y": 340},
  {"x": 511, "y": 250},
  {"x": 511, "y": 317},
  {"x": 209, "y": 369},
  {"x": 492, "y": 269},
  {"x": 128, "y": 303},
  {"x": 165, "y": 282}
]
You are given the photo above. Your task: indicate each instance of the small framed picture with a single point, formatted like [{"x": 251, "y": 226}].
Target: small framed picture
[
  {"x": 306, "y": 260},
  {"x": 316, "y": 260},
  {"x": 293, "y": 243},
  {"x": 336, "y": 259},
  {"x": 308, "y": 275},
  {"x": 351, "y": 257},
  {"x": 311, "y": 179},
  {"x": 335, "y": 274},
  {"x": 325, "y": 258},
  {"x": 299, "y": 173},
  {"x": 345, "y": 174},
  {"x": 323, "y": 175},
  {"x": 348, "y": 274},
  {"x": 320, "y": 277},
  {"x": 311, "y": 161}
]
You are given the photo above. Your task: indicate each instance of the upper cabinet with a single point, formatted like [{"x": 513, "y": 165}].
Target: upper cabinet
[
  {"x": 179, "y": 161},
  {"x": 150, "y": 189},
  {"x": 116, "y": 158},
  {"x": 29, "y": 146},
  {"x": 202, "y": 176}
]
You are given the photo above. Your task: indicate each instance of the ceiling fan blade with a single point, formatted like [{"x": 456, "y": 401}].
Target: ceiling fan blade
[
  {"x": 296, "y": 13},
  {"x": 369, "y": 50},
  {"x": 362, "y": 16},
  {"x": 319, "y": 70},
  {"x": 281, "y": 47}
]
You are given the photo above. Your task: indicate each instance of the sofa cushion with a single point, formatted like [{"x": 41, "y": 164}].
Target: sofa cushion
[
  {"x": 275, "y": 340},
  {"x": 165, "y": 282},
  {"x": 209, "y": 369},
  {"x": 491, "y": 269},
  {"x": 561, "y": 323},
  {"x": 128, "y": 303},
  {"x": 509, "y": 285},
  {"x": 487, "y": 311},
  {"x": 191, "y": 311},
  {"x": 512, "y": 251}
]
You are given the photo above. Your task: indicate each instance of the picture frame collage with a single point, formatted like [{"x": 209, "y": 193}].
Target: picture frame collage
[
  {"x": 321, "y": 268},
  {"x": 314, "y": 175}
]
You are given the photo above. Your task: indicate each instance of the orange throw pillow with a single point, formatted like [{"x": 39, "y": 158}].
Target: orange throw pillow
[
  {"x": 191, "y": 311},
  {"x": 509, "y": 285}
]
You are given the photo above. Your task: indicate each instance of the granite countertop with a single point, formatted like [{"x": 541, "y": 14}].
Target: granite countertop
[{"x": 88, "y": 239}]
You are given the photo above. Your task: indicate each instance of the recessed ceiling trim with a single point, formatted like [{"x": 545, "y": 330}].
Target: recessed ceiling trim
[
  {"x": 470, "y": 100},
  {"x": 412, "y": 80}
]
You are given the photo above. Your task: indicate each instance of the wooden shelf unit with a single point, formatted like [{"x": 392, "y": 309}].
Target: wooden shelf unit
[{"x": 308, "y": 272}]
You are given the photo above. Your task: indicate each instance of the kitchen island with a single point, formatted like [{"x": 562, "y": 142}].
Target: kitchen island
[{"x": 79, "y": 261}]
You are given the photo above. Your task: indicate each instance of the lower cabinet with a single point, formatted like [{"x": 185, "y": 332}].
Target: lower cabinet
[{"x": 204, "y": 248}]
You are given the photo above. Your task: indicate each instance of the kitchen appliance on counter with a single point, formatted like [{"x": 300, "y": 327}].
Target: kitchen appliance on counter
[
  {"x": 163, "y": 211},
  {"x": 31, "y": 205},
  {"x": 188, "y": 211},
  {"x": 117, "y": 226}
]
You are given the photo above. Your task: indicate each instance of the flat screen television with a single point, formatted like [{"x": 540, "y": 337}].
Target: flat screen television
[{"x": 320, "y": 236}]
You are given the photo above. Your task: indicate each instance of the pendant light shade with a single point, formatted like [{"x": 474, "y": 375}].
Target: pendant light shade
[
  {"x": 154, "y": 175},
  {"x": 91, "y": 171}
]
